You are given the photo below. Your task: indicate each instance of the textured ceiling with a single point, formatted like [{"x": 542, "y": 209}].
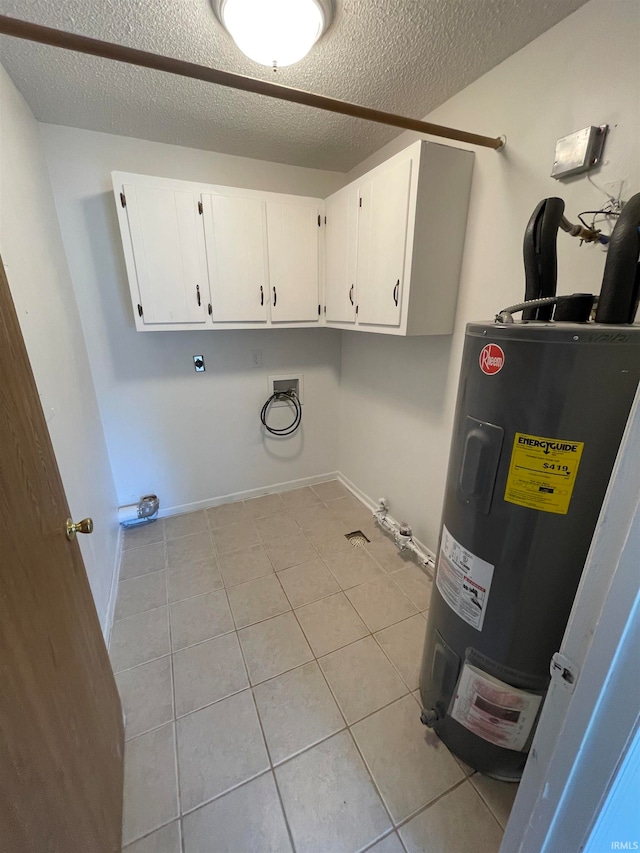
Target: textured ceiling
[{"x": 405, "y": 56}]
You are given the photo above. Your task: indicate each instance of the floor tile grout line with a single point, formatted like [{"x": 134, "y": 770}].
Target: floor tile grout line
[
  {"x": 313, "y": 601},
  {"x": 411, "y": 689},
  {"x": 140, "y": 612},
  {"x": 370, "y": 713},
  {"x": 366, "y": 764},
  {"x": 144, "y": 663},
  {"x": 222, "y": 794},
  {"x": 144, "y": 574},
  {"x": 430, "y": 804},
  {"x": 316, "y": 657},
  {"x": 149, "y": 730},
  {"x": 291, "y": 758},
  {"x": 175, "y": 722},
  {"x": 197, "y": 595},
  {"x": 486, "y": 801},
  {"x": 317, "y": 662},
  {"x": 311, "y": 545},
  {"x": 266, "y": 619},
  {"x": 264, "y": 739},
  {"x": 126, "y": 847},
  {"x": 206, "y": 640},
  {"x": 310, "y": 746},
  {"x": 394, "y": 625},
  {"x": 272, "y": 770},
  {"x": 284, "y": 812},
  {"x": 376, "y": 788},
  {"x": 250, "y": 686},
  {"x": 378, "y": 580},
  {"x": 380, "y": 838},
  {"x": 134, "y": 547}
]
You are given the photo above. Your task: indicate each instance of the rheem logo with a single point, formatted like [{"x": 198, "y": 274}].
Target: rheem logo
[{"x": 491, "y": 359}]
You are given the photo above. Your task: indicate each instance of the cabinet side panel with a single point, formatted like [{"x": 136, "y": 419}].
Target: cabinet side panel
[{"x": 444, "y": 186}]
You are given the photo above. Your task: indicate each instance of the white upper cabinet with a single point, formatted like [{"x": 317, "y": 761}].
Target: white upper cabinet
[
  {"x": 382, "y": 240},
  {"x": 292, "y": 229},
  {"x": 383, "y": 254},
  {"x": 164, "y": 254},
  {"x": 341, "y": 233},
  {"x": 235, "y": 235},
  {"x": 407, "y": 219}
]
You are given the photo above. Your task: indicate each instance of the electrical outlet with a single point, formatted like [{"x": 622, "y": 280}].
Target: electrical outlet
[{"x": 256, "y": 358}]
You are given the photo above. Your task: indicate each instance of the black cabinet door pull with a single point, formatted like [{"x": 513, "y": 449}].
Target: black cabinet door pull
[
  {"x": 275, "y": 298},
  {"x": 395, "y": 291},
  {"x": 351, "y": 294}
]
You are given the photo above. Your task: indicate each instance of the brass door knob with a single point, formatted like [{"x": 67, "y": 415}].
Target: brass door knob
[{"x": 84, "y": 526}]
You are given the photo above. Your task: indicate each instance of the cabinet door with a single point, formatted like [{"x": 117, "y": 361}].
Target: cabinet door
[
  {"x": 236, "y": 258},
  {"x": 168, "y": 250},
  {"x": 341, "y": 237},
  {"x": 382, "y": 239},
  {"x": 292, "y": 230}
]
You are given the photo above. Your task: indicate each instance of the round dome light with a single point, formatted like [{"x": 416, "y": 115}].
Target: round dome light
[{"x": 274, "y": 32}]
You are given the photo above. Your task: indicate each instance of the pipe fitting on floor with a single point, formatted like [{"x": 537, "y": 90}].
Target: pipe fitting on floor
[{"x": 402, "y": 535}]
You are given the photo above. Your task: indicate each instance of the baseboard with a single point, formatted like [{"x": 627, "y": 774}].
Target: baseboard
[
  {"x": 358, "y": 493},
  {"x": 248, "y": 494},
  {"x": 372, "y": 505},
  {"x": 113, "y": 593}
]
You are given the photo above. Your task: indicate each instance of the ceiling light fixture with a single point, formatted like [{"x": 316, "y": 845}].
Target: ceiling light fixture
[{"x": 274, "y": 32}]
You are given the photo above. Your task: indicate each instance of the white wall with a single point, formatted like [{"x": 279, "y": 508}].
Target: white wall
[
  {"x": 398, "y": 396},
  {"x": 38, "y": 274},
  {"x": 193, "y": 438},
  {"x": 187, "y": 437}
]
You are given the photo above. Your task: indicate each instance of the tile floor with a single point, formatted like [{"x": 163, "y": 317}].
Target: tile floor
[{"x": 268, "y": 671}]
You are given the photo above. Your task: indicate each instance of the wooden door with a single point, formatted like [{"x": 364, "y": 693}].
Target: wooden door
[
  {"x": 165, "y": 255},
  {"x": 61, "y": 730},
  {"x": 382, "y": 242},
  {"x": 292, "y": 230},
  {"x": 236, "y": 244},
  {"x": 341, "y": 238}
]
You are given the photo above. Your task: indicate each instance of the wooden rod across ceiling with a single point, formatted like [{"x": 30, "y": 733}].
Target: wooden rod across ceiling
[{"x": 107, "y": 50}]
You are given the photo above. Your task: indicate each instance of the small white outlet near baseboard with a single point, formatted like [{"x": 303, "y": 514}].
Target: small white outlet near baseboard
[{"x": 285, "y": 382}]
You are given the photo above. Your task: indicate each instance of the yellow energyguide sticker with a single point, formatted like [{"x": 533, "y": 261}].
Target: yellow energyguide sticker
[{"x": 542, "y": 472}]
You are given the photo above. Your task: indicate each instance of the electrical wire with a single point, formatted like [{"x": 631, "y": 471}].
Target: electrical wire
[
  {"x": 290, "y": 397},
  {"x": 595, "y": 213}
]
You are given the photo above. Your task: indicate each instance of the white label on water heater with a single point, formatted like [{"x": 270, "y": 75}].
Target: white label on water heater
[
  {"x": 464, "y": 580},
  {"x": 493, "y": 710}
]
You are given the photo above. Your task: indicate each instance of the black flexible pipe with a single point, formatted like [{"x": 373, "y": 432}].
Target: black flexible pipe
[
  {"x": 291, "y": 397},
  {"x": 620, "y": 290},
  {"x": 541, "y": 257}
]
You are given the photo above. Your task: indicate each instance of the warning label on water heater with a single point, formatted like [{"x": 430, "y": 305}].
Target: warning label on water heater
[
  {"x": 542, "y": 472},
  {"x": 464, "y": 580},
  {"x": 494, "y": 710}
]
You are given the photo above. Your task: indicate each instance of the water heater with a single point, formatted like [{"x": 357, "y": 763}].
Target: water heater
[{"x": 542, "y": 406}]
